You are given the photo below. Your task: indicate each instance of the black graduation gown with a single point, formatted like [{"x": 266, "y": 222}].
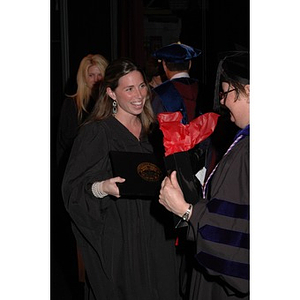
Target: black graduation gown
[
  {"x": 220, "y": 227},
  {"x": 123, "y": 241},
  {"x": 67, "y": 129},
  {"x": 62, "y": 237}
]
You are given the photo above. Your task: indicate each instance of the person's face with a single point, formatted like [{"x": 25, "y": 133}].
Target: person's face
[
  {"x": 239, "y": 107},
  {"x": 130, "y": 94},
  {"x": 94, "y": 75}
]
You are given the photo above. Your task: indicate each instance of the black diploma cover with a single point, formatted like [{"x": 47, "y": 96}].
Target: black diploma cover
[{"x": 142, "y": 171}]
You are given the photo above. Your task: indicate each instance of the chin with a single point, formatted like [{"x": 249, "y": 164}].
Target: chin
[{"x": 138, "y": 110}]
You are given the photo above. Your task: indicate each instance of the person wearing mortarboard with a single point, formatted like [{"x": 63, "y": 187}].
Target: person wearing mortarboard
[{"x": 180, "y": 91}]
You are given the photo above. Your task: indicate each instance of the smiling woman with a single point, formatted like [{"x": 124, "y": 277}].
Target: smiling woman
[
  {"x": 122, "y": 239},
  {"x": 126, "y": 85},
  {"x": 234, "y": 78},
  {"x": 238, "y": 104},
  {"x": 130, "y": 97}
]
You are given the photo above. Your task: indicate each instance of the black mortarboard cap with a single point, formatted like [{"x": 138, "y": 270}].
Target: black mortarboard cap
[
  {"x": 176, "y": 53},
  {"x": 234, "y": 66}
]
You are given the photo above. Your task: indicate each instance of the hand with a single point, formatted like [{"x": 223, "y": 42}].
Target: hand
[
  {"x": 171, "y": 196},
  {"x": 110, "y": 187}
]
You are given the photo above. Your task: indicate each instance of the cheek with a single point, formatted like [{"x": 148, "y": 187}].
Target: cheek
[
  {"x": 236, "y": 110},
  {"x": 144, "y": 93},
  {"x": 122, "y": 99},
  {"x": 231, "y": 106},
  {"x": 89, "y": 80}
]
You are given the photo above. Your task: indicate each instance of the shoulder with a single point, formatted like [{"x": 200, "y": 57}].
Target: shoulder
[
  {"x": 69, "y": 107},
  {"x": 237, "y": 160},
  {"x": 244, "y": 145},
  {"x": 162, "y": 86},
  {"x": 242, "y": 150},
  {"x": 185, "y": 80},
  {"x": 243, "y": 135},
  {"x": 69, "y": 102},
  {"x": 97, "y": 127},
  {"x": 91, "y": 131}
]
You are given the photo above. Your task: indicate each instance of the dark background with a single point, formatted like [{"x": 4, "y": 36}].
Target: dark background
[
  {"x": 123, "y": 28},
  {"x": 132, "y": 28}
]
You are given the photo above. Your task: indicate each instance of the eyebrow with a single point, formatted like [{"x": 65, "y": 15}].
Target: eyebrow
[{"x": 130, "y": 86}]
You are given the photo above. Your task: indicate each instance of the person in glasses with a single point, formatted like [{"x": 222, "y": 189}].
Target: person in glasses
[{"x": 219, "y": 222}]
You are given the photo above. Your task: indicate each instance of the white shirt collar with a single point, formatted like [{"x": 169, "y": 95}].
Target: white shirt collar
[{"x": 180, "y": 75}]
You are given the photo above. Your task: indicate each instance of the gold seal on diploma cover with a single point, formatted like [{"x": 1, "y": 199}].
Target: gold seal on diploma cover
[{"x": 149, "y": 172}]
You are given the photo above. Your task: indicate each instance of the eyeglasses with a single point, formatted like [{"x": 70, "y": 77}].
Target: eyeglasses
[{"x": 223, "y": 95}]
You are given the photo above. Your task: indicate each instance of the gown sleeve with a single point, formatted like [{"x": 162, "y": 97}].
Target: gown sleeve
[
  {"x": 220, "y": 225},
  {"x": 88, "y": 163}
]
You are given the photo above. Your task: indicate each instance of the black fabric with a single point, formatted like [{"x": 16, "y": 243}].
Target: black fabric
[
  {"x": 68, "y": 127},
  {"x": 63, "y": 245},
  {"x": 67, "y": 130},
  {"x": 128, "y": 253},
  {"x": 230, "y": 183},
  {"x": 188, "y": 182}
]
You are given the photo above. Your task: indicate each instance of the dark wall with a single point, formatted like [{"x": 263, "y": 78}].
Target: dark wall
[
  {"x": 214, "y": 26},
  {"x": 89, "y": 31}
]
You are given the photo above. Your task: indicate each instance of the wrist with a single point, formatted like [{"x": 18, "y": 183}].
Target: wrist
[
  {"x": 97, "y": 189},
  {"x": 186, "y": 216}
]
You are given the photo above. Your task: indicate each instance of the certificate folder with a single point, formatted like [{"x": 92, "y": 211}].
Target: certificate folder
[{"x": 143, "y": 173}]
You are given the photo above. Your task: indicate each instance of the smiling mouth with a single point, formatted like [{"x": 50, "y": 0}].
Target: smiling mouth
[{"x": 137, "y": 103}]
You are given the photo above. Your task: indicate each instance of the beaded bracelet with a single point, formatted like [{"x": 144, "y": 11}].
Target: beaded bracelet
[{"x": 97, "y": 190}]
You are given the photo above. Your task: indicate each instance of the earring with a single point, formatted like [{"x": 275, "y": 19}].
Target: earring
[{"x": 114, "y": 109}]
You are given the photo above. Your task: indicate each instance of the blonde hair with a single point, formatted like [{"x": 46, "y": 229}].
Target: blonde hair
[
  {"x": 103, "y": 107},
  {"x": 83, "y": 93}
]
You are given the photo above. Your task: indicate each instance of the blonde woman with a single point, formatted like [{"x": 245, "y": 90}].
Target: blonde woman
[
  {"x": 75, "y": 110},
  {"x": 77, "y": 107}
]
